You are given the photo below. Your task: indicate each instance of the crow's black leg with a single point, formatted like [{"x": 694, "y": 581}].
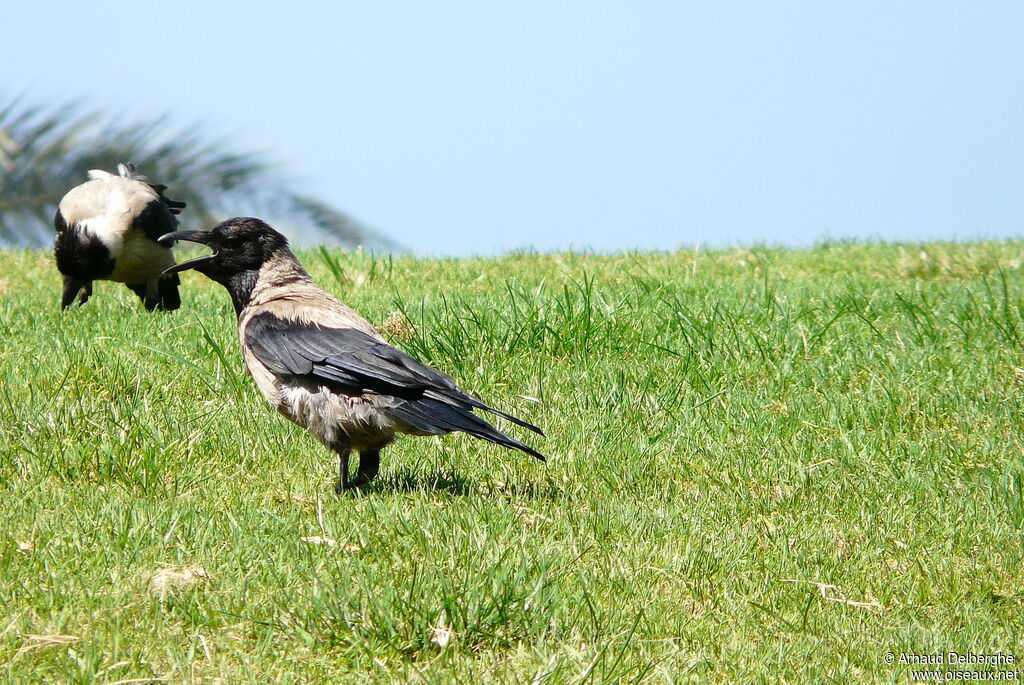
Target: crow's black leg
[
  {"x": 152, "y": 299},
  {"x": 369, "y": 465},
  {"x": 139, "y": 289},
  {"x": 71, "y": 287},
  {"x": 85, "y": 293},
  {"x": 343, "y": 451}
]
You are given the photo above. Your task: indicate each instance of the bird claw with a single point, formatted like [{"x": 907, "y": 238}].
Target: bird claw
[{"x": 355, "y": 483}]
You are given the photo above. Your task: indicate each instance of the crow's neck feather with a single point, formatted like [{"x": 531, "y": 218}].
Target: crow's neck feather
[
  {"x": 240, "y": 285},
  {"x": 276, "y": 276}
]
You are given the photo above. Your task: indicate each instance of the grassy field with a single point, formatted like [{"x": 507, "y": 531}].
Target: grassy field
[{"x": 763, "y": 464}]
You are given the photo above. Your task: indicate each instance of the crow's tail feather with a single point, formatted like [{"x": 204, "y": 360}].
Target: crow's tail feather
[
  {"x": 437, "y": 417},
  {"x": 508, "y": 417},
  {"x": 462, "y": 398}
]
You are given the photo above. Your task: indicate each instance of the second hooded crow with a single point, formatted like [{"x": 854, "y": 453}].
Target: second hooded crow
[
  {"x": 107, "y": 229},
  {"x": 324, "y": 366}
]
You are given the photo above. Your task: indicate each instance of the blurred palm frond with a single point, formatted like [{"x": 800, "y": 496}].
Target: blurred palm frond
[{"x": 45, "y": 151}]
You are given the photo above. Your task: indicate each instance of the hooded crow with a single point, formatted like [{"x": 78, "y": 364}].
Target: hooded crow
[
  {"x": 324, "y": 366},
  {"x": 108, "y": 229}
]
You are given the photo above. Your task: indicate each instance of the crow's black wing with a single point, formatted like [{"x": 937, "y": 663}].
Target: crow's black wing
[
  {"x": 346, "y": 356},
  {"x": 155, "y": 220},
  {"x": 352, "y": 362}
]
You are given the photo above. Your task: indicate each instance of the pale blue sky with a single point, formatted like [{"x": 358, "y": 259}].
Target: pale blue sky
[{"x": 473, "y": 128}]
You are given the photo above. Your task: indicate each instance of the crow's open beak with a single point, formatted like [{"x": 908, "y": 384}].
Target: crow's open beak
[{"x": 192, "y": 237}]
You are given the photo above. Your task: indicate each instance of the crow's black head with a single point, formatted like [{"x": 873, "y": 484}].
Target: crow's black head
[{"x": 239, "y": 245}]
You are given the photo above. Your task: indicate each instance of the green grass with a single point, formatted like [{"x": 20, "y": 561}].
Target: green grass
[{"x": 729, "y": 434}]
